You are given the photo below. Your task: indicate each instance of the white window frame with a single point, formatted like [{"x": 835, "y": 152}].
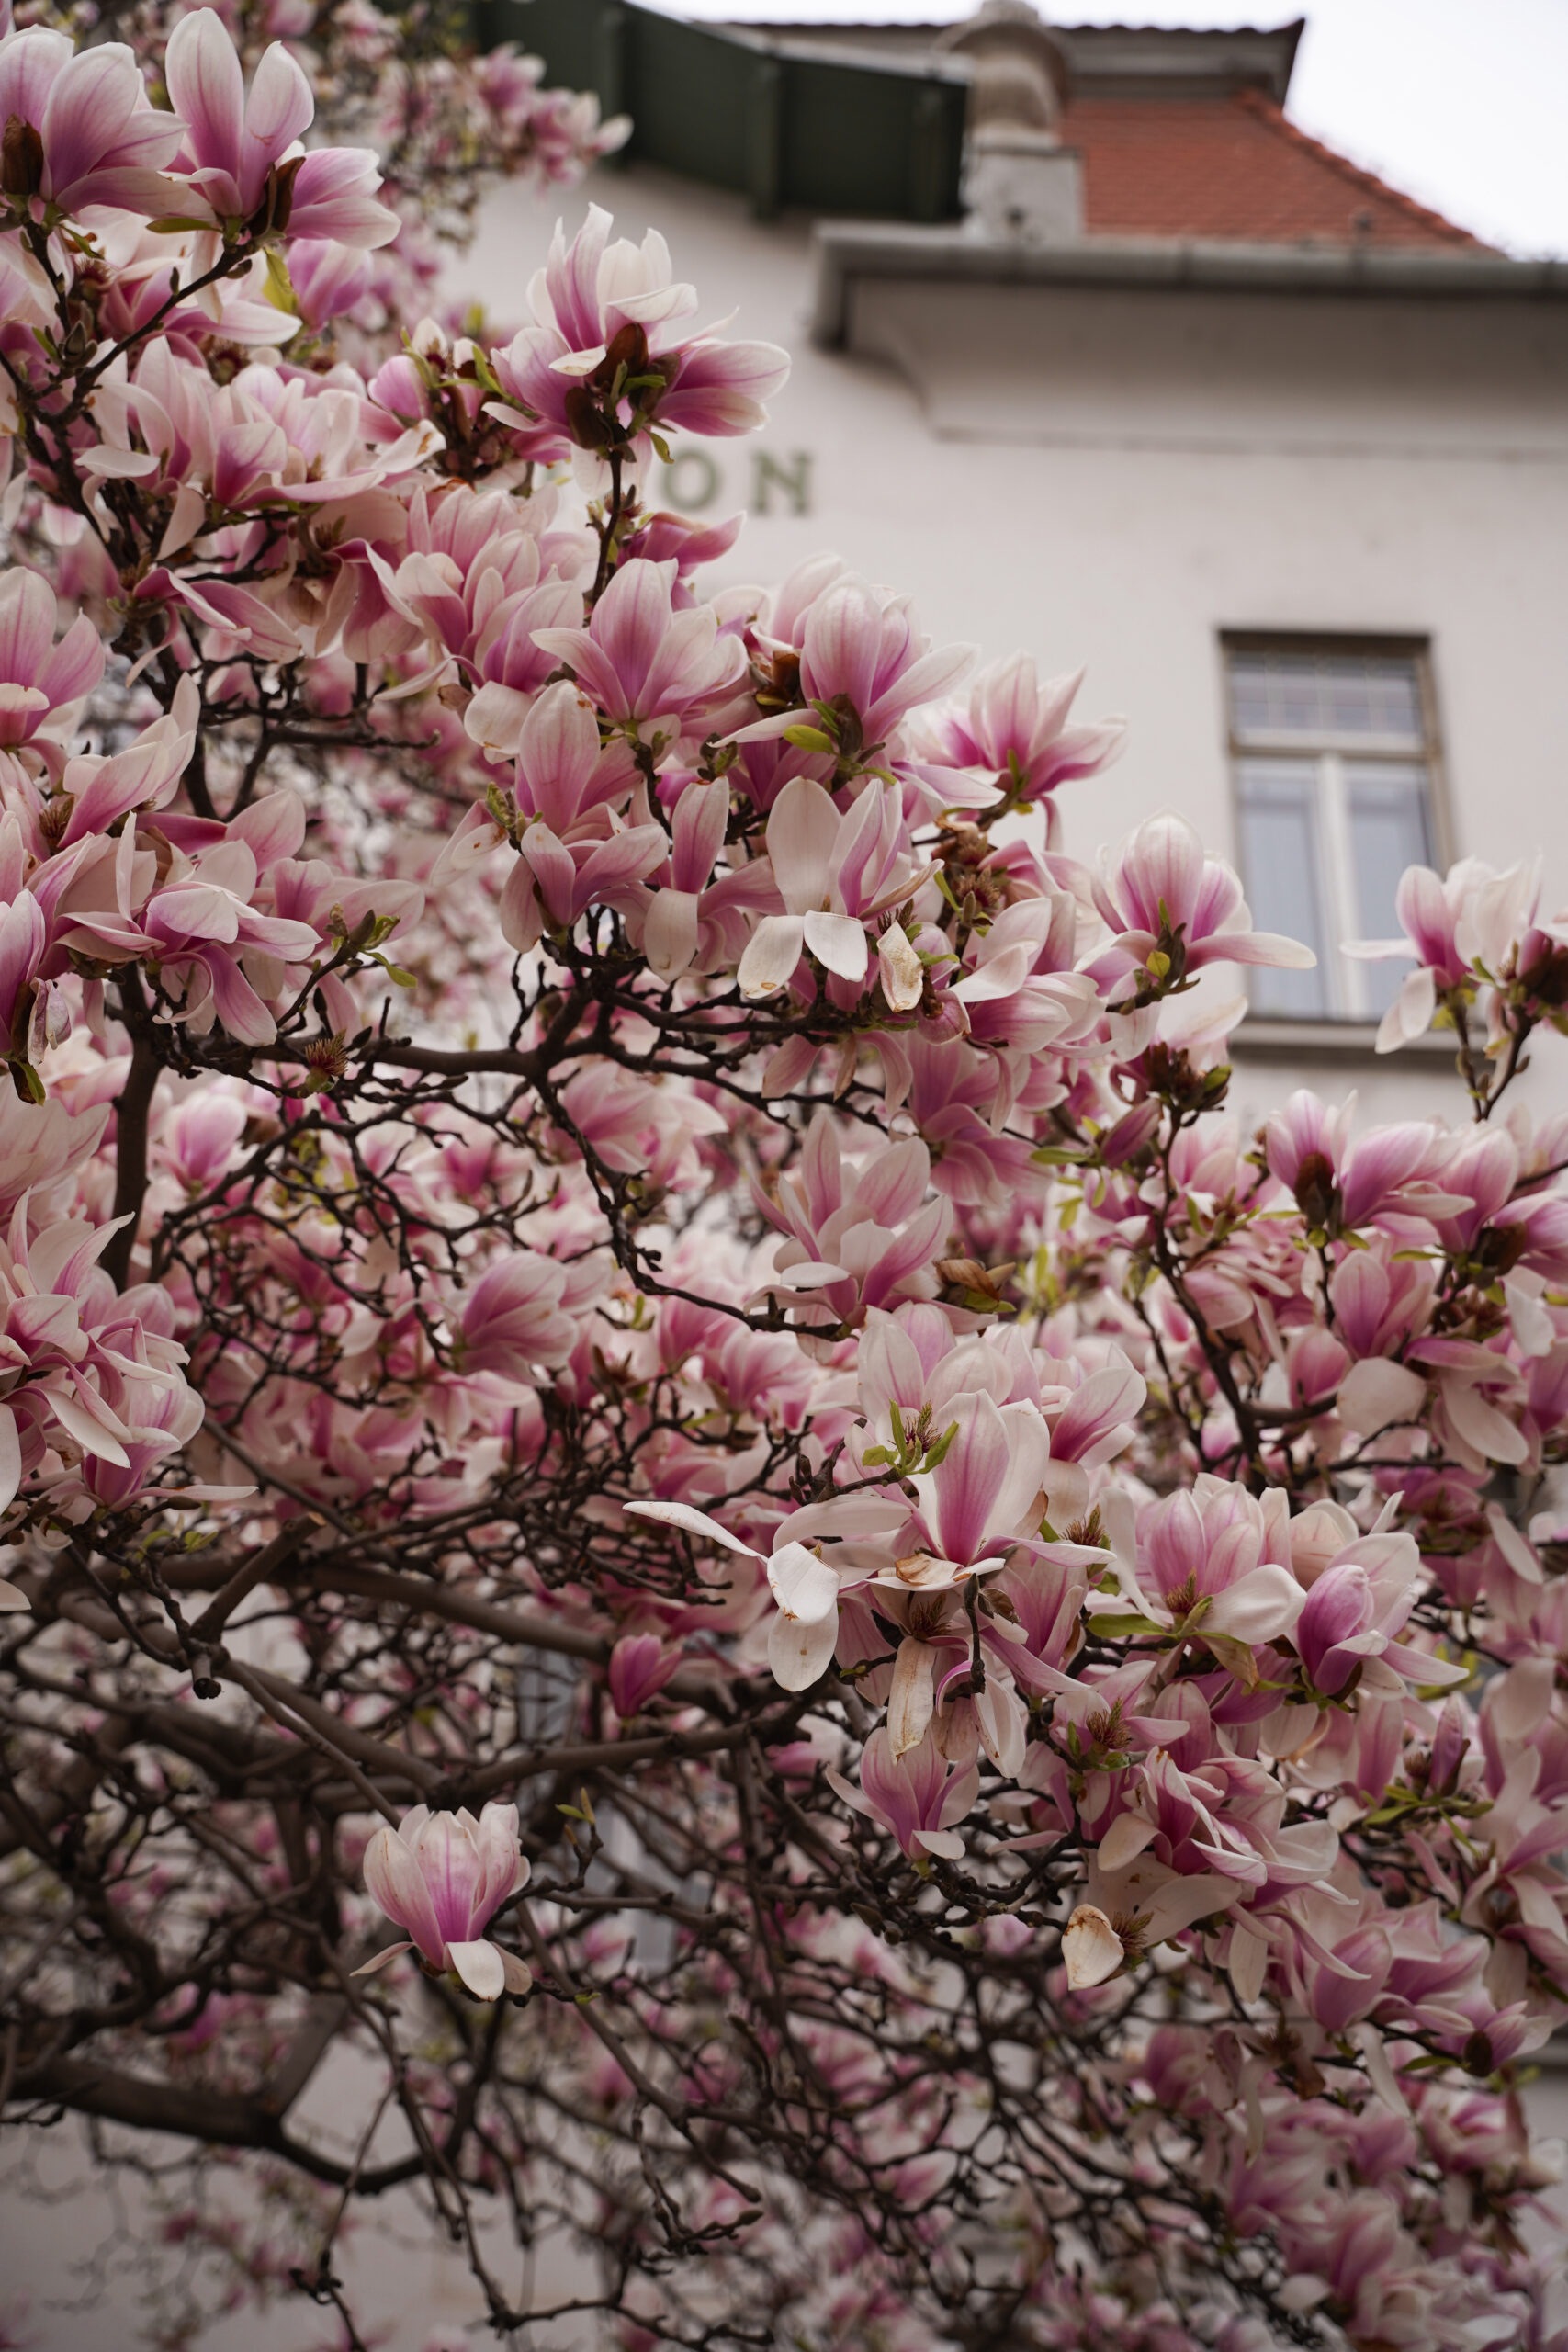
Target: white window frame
[{"x": 1346, "y": 982}]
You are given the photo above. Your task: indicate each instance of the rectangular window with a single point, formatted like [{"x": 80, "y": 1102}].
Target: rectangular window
[{"x": 1333, "y": 756}]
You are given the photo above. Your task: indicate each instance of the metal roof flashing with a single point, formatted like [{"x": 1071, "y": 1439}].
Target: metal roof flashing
[
  {"x": 1103, "y": 61},
  {"x": 766, "y": 41}
]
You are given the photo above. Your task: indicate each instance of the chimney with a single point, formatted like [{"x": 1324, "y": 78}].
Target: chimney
[{"x": 1021, "y": 186}]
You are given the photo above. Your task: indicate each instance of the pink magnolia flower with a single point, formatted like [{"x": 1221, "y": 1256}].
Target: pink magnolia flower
[
  {"x": 640, "y": 1666},
  {"x": 605, "y": 362},
  {"x": 1215, "y": 1550},
  {"x": 835, "y": 875},
  {"x": 95, "y": 137},
  {"x": 553, "y": 883},
  {"x": 651, "y": 669},
  {"x": 1387, "y": 1176},
  {"x": 1226, "y": 1817},
  {"x": 1472, "y": 923},
  {"x": 40, "y": 681},
  {"x": 564, "y": 774},
  {"x": 693, "y": 919},
  {"x": 861, "y": 650},
  {"x": 1380, "y": 1301},
  {"x": 984, "y": 1496},
  {"x": 511, "y": 665},
  {"x": 93, "y": 1378},
  {"x": 443, "y": 1876},
  {"x": 578, "y": 850},
  {"x": 328, "y": 278},
  {"x": 145, "y": 775},
  {"x": 1353, "y": 1611},
  {"x": 1161, "y": 896},
  {"x": 203, "y": 928},
  {"x": 1015, "y": 730},
  {"x": 567, "y": 785},
  {"x": 804, "y": 1585},
  {"x": 918, "y": 1797},
  {"x": 234, "y": 143},
  {"x": 1531, "y": 1222},
  {"x": 512, "y": 1318},
  {"x": 855, "y": 1237},
  {"x": 1429, "y": 910}
]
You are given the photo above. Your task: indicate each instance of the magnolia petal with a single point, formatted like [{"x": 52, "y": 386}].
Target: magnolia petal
[
  {"x": 803, "y": 826},
  {"x": 771, "y": 953},
  {"x": 1265, "y": 1602},
  {"x": 12, "y": 1597},
  {"x": 902, "y": 973},
  {"x": 1533, "y": 1326},
  {"x": 1126, "y": 1840},
  {"x": 371, "y": 1967},
  {"x": 518, "y": 1974},
  {"x": 805, "y": 1587},
  {"x": 912, "y": 1698},
  {"x": 10, "y": 1457},
  {"x": 1410, "y": 1014},
  {"x": 798, "y": 1653},
  {"x": 482, "y": 1967},
  {"x": 840, "y": 942},
  {"x": 1428, "y": 1673},
  {"x": 1481, "y": 1425},
  {"x": 1262, "y": 947},
  {"x": 1379, "y": 2073},
  {"x": 696, "y": 1522},
  {"x": 1091, "y": 1949},
  {"x": 86, "y": 1427},
  {"x": 1512, "y": 1545},
  {"x": 1519, "y": 1702},
  {"x": 945, "y": 1842},
  {"x": 1376, "y": 1393},
  {"x": 1248, "y": 1961},
  {"x": 670, "y": 934}
]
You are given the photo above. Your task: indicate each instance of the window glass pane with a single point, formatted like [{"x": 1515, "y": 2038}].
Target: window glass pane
[
  {"x": 1295, "y": 700},
  {"x": 1325, "y": 696},
  {"x": 1249, "y": 693},
  {"x": 1388, "y": 832},
  {"x": 1280, "y": 861},
  {"x": 1395, "y": 691}
]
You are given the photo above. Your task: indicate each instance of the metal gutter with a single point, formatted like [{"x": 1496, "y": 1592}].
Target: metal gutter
[{"x": 845, "y": 251}]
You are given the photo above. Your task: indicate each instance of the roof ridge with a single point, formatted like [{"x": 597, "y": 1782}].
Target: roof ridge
[{"x": 1268, "y": 110}]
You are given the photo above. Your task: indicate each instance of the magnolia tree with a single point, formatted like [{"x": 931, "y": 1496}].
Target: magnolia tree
[{"x": 696, "y": 1556}]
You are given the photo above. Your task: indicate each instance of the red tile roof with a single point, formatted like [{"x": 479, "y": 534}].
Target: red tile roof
[{"x": 1232, "y": 169}]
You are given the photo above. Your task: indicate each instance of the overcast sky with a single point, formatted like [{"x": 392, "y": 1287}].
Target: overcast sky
[{"x": 1457, "y": 102}]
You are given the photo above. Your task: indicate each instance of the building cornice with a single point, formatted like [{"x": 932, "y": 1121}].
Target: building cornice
[
  {"x": 845, "y": 252},
  {"x": 1104, "y": 60},
  {"x": 1265, "y": 1038}
]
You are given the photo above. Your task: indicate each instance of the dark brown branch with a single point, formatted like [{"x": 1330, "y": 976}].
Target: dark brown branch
[{"x": 131, "y": 1116}]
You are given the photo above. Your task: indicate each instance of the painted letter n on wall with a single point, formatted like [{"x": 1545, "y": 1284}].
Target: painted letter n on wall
[{"x": 793, "y": 481}]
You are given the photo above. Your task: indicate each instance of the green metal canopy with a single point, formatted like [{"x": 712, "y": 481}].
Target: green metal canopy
[{"x": 820, "y": 133}]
